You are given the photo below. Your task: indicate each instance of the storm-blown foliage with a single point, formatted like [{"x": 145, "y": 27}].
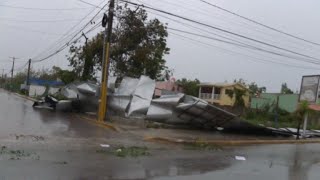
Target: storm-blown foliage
[{"x": 138, "y": 46}]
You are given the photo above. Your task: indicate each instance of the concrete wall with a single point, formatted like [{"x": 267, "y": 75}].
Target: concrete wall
[{"x": 288, "y": 102}]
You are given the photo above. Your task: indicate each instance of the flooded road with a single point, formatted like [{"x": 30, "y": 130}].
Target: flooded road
[{"x": 40, "y": 144}]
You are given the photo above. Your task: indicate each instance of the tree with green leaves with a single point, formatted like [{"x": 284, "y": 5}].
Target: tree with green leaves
[
  {"x": 238, "y": 94},
  {"x": 285, "y": 89},
  {"x": 255, "y": 89},
  {"x": 138, "y": 46},
  {"x": 190, "y": 87}
]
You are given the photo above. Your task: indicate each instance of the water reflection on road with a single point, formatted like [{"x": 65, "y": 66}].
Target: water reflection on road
[{"x": 291, "y": 162}]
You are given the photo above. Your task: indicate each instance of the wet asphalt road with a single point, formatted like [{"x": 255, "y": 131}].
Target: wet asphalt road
[{"x": 40, "y": 144}]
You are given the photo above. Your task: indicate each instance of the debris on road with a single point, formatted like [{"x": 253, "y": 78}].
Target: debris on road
[
  {"x": 11, "y": 154},
  {"x": 32, "y": 137},
  {"x": 240, "y": 158},
  {"x": 105, "y": 145}
]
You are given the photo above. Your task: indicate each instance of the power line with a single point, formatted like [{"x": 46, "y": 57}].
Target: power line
[
  {"x": 38, "y": 21},
  {"x": 91, "y": 4},
  {"x": 31, "y": 30},
  {"x": 292, "y": 44},
  {"x": 80, "y": 31},
  {"x": 252, "y": 57},
  {"x": 65, "y": 46},
  {"x": 256, "y": 22},
  {"x": 65, "y": 35},
  {"x": 42, "y": 9},
  {"x": 220, "y": 29},
  {"x": 245, "y": 46},
  {"x": 248, "y": 45},
  {"x": 244, "y": 24}
]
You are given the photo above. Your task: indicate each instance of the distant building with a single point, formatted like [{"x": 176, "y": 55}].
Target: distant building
[
  {"x": 167, "y": 88},
  {"x": 216, "y": 93}
]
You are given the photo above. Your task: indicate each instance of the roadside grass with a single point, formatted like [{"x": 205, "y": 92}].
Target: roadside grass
[
  {"x": 202, "y": 146},
  {"x": 284, "y": 119},
  {"x": 132, "y": 151}
]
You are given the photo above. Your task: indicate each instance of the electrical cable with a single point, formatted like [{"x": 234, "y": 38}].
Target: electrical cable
[
  {"x": 73, "y": 27},
  {"x": 256, "y": 22},
  {"x": 38, "y": 21},
  {"x": 245, "y": 46},
  {"x": 67, "y": 44},
  {"x": 41, "y": 9},
  {"x": 220, "y": 29},
  {"x": 252, "y": 57}
]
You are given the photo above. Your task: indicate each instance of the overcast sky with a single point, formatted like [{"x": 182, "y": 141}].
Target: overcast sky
[{"x": 190, "y": 56}]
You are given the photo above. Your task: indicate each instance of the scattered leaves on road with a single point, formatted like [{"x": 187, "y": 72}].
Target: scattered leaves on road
[
  {"x": 32, "y": 137},
  {"x": 6, "y": 153},
  {"x": 133, "y": 151},
  {"x": 202, "y": 146}
]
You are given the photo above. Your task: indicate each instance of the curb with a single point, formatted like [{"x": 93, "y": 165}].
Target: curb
[
  {"x": 25, "y": 97},
  {"x": 230, "y": 142}
]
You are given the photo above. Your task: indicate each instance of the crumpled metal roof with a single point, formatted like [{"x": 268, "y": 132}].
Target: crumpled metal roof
[{"x": 186, "y": 109}]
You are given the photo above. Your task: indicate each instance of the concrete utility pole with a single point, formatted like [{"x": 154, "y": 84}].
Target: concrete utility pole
[
  {"x": 105, "y": 64},
  {"x": 13, "y": 59},
  {"x": 2, "y": 78},
  {"x": 28, "y": 76}
]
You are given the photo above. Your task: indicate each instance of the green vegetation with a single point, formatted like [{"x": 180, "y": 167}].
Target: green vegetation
[
  {"x": 139, "y": 49},
  {"x": 202, "y": 146},
  {"x": 285, "y": 89},
  {"x": 267, "y": 117},
  {"x": 132, "y": 151},
  {"x": 189, "y": 87}
]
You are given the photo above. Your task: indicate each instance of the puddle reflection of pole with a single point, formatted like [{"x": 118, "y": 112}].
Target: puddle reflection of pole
[
  {"x": 301, "y": 163},
  {"x": 296, "y": 170}
]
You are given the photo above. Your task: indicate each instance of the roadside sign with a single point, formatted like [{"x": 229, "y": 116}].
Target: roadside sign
[{"x": 309, "y": 88}]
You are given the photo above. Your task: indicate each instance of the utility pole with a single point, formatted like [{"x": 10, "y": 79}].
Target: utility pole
[
  {"x": 28, "y": 77},
  {"x": 13, "y": 59},
  {"x": 2, "y": 79},
  {"x": 105, "y": 64}
]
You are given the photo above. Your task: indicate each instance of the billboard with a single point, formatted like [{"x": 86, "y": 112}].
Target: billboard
[{"x": 309, "y": 88}]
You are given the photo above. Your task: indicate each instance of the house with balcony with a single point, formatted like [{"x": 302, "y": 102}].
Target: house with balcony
[{"x": 217, "y": 93}]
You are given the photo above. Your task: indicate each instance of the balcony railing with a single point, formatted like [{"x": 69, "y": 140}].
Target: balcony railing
[
  {"x": 209, "y": 96},
  {"x": 216, "y": 96},
  {"x": 205, "y": 96}
]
